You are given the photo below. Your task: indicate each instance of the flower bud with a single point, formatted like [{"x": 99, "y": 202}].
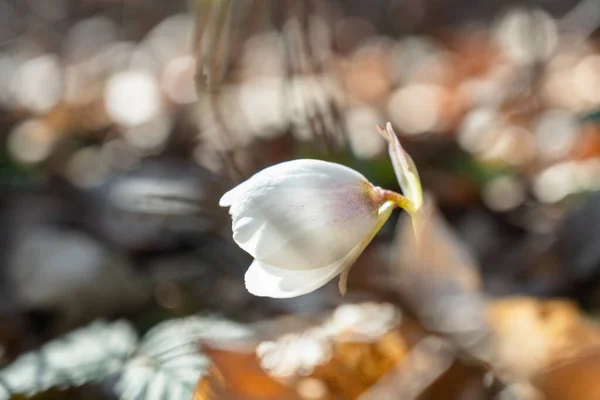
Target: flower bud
[{"x": 404, "y": 167}]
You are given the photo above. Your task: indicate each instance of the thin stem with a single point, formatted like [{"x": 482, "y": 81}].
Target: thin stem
[
  {"x": 409, "y": 207},
  {"x": 399, "y": 201}
]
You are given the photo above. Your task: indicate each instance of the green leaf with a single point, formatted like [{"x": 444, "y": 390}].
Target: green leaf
[
  {"x": 88, "y": 354},
  {"x": 168, "y": 363}
]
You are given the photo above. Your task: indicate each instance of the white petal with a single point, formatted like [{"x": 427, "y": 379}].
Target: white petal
[
  {"x": 267, "y": 280},
  {"x": 302, "y": 214},
  {"x": 232, "y": 196},
  {"x": 324, "y": 171}
]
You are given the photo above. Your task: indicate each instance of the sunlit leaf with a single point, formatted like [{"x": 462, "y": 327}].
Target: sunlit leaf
[
  {"x": 88, "y": 354},
  {"x": 168, "y": 363}
]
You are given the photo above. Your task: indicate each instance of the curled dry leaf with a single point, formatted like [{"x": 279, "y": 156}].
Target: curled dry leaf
[
  {"x": 439, "y": 280},
  {"x": 435, "y": 275}
]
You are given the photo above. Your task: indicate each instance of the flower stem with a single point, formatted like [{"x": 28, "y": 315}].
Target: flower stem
[
  {"x": 399, "y": 201},
  {"x": 409, "y": 207}
]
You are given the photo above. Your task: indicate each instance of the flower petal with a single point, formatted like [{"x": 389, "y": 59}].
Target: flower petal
[
  {"x": 384, "y": 213},
  {"x": 231, "y": 196},
  {"x": 267, "y": 280}
]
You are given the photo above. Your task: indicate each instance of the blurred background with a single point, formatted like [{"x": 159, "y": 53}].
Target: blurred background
[{"x": 124, "y": 121}]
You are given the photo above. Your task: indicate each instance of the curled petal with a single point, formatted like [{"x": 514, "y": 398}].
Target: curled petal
[
  {"x": 265, "y": 280},
  {"x": 404, "y": 167}
]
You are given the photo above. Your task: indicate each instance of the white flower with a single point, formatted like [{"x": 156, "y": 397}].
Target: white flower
[
  {"x": 307, "y": 221},
  {"x": 304, "y": 222}
]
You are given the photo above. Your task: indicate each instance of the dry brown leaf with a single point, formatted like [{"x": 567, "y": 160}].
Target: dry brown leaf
[
  {"x": 578, "y": 379},
  {"x": 533, "y": 334},
  {"x": 238, "y": 375},
  {"x": 343, "y": 356},
  {"x": 423, "y": 365},
  {"x": 371, "y": 360},
  {"x": 351, "y": 369},
  {"x": 356, "y": 366},
  {"x": 212, "y": 387},
  {"x": 434, "y": 273}
]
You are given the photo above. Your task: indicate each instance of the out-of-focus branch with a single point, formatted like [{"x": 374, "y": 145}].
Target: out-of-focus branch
[{"x": 212, "y": 42}]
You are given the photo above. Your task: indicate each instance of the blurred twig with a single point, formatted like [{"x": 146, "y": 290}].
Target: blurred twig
[{"x": 212, "y": 41}]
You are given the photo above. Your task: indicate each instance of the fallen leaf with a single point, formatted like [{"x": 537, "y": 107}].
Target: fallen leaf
[
  {"x": 577, "y": 379},
  {"x": 425, "y": 363},
  {"x": 238, "y": 375},
  {"x": 434, "y": 274},
  {"x": 532, "y": 334}
]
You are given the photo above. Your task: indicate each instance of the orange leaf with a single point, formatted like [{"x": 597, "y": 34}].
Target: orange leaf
[{"x": 239, "y": 376}]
